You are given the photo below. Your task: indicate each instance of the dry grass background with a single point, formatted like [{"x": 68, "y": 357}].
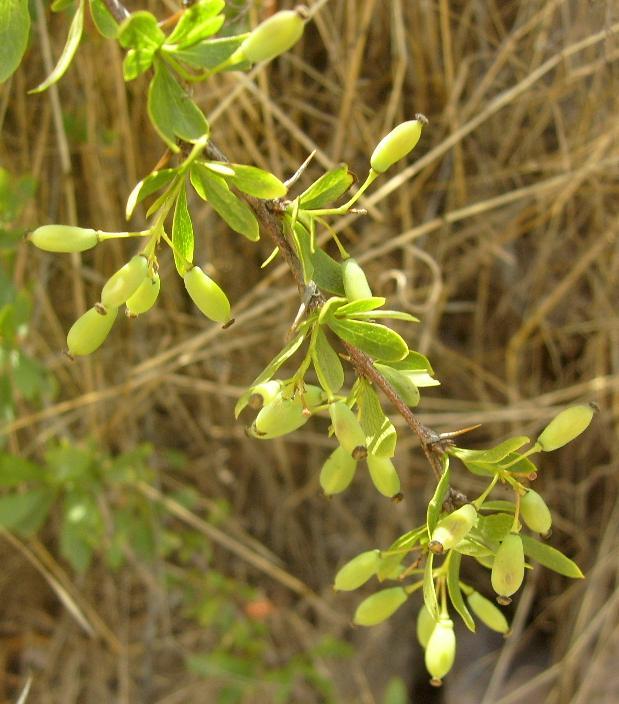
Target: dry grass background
[{"x": 500, "y": 234}]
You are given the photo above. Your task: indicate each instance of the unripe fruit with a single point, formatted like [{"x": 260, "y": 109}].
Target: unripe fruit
[
  {"x": 569, "y": 424},
  {"x": 384, "y": 475},
  {"x": 441, "y": 650},
  {"x": 264, "y": 393},
  {"x": 63, "y": 238},
  {"x": 380, "y": 606},
  {"x": 207, "y": 295},
  {"x": 508, "y": 567},
  {"x": 453, "y": 528},
  {"x": 125, "y": 282},
  {"x": 274, "y": 36},
  {"x": 535, "y": 513},
  {"x": 355, "y": 284},
  {"x": 397, "y": 144},
  {"x": 357, "y": 572},
  {"x": 283, "y": 415},
  {"x": 89, "y": 331},
  {"x": 346, "y": 427},
  {"x": 425, "y": 626},
  {"x": 337, "y": 472},
  {"x": 488, "y": 613},
  {"x": 144, "y": 297}
]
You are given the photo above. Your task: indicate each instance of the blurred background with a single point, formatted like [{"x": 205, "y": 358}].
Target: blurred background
[{"x": 162, "y": 556}]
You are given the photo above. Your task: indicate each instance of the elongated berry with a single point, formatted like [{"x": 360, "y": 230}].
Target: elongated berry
[
  {"x": 144, "y": 297},
  {"x": 355, "y": 284},
  {"x": 89, "y": 331},
  {"x": 535, "y": 513},
  {"x": 274, "y": 36},
  {"x": 264, "y": 393},
  {"x": 397, "y": 144},
  {"x": 380, "y": 606},
  {"x": 207, "y": 295},
  {"x": 284, "y": 415},
  {"x": 441, "y": 650},
  {"x": 347, "y": 428},
  {"x": 425, "y": 626},
  {"x": 125, "y": 282},
  {"x": 566, "y": 426},
  {"x": 63, "y": 238},
  {"x": 488, "y": 613},
  {"x": 453, "y": 528},
  {"x": 337, "y": 472},
  {"x": 357, "y": 572},
  {"x": 384, "y": 475},
  {"x": 508, "y": 567}
]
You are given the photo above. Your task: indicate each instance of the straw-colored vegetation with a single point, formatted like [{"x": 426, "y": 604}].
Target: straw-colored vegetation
[{"x": 501, "y": 235}]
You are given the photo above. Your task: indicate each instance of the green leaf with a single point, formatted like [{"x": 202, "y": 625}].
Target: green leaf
[
  {"x": 435, "y": 506},
  {"x": 172, "y": 111},
  {"x": 73, "y": 40},
  {"x": 455, "y": 593},
  {"x": 329, "y": 187},
  {"x": 362, "y": 305},
  {"x": 75, "y": 546},
  {"x": 103, "y": 19},
  {"x": 395, "y": 692},
  {"x": 210, "y": 53},
  {"x": 492, "y": 529},
  {"x": 303, "y": 248},
  {"x": 14, "y": 30},
  {"x": 182, "y": 234},
  {"x": 268, "y": 372},
  {"x": 375, "y": 340},
  {"x": 25, "y": 513},
  {"x": 235, "y": 213},
  {"x": 521, "y": 465},
  {"x": 142, "y": 32},
  {"x": 31, "y": 378},
  {"x": 498, "y": 505},
  {"x": 387, "y": 314},
  {"x": 397, "y": 551},
  {"x": 327, "y": 364},
  {"x": 327, "y": 273},
  {"x": 147, "y": 186},
  {"x": 429, "y": 591},
  {"x": 14, "y": 470},
  {"x": 256, "y": 182},
  {"x": 198, "y": 22},
  {"x": 402, "y": 384},
  {"x": 380, "y": 433},
  {"x": 413, "y": 362},
  {"x": 493, "y": 455},
  {"x": 550, "y": 558}
]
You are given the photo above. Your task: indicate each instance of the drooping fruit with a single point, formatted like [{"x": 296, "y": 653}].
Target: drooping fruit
[
  {"x": 380, "y": 606},
  {"x": 535, "y": 513},
  {"x": 63, "y": 238},
  {"x": 347, "y": 428},
  {"x": 207, "y": 295},
  {"x": 357, "y": 571},
  {"x": 508, "y": 567},
  {"x": 441, "y": 650},
  {"x": 89, "y": 331},
  {"x": 337, "y": 472},
  {"x": 144, "y": 297},
  {"x": 384, "y": 475},
  {"x": 453, "y": 528},
  {"x": 125, "y": 282},
  {"x": 355, "y": 283}
]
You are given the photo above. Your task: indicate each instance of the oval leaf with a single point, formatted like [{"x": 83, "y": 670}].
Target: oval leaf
[
  {"x": 256, "y": 182},
  {"x": 14, "y": 31},
  {"x": 327, "y": 364},
  {"x": 329, "y": 187},
  {"x": 232, "y": 210},
  {"x": 182, "y": 234},
  {"x": 198, "y": 22},
  {"x": 436, "y": 502},
  {"x": 551, "y": 558},
  {"x": 455, "y": 593},
  {"x": 153, "y": 182},
  {"x": 429, "y": 591},
  {"x": 376, "y": 340}
]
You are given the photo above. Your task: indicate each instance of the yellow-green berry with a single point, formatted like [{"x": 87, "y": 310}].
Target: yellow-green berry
[
  {"x": 144, "y": 297},
  {"x": 425, "y": 626},
  {"x": 283, "y": 415},
  {"x": 441, "y": 650},
  {"x": 63, "y": 238},
  {"x": 380, "y": 606},
  {"x": 384, "y": 475},
  {"x": 535, "y": 513},
  {"x": 397, "y": 144},
  {"x": 566, "y": 426},
  {"x": 453, "y": 528},
  {"x": 347, "y": 429},
  {"x": 207, "y": 295},
  {"x": 357, "y": 571},
  {"x": 355, "y": 283},
  {"x": 274, "y": 36},
  {"x": 508, "y": 568},
  {"x": 125, "y": 282},
  {"x": 89, "y": 331},
  {"x": 337, "y": 472}
]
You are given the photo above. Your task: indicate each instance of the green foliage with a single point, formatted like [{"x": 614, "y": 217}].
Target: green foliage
[{"x": 13, "y": 35}]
